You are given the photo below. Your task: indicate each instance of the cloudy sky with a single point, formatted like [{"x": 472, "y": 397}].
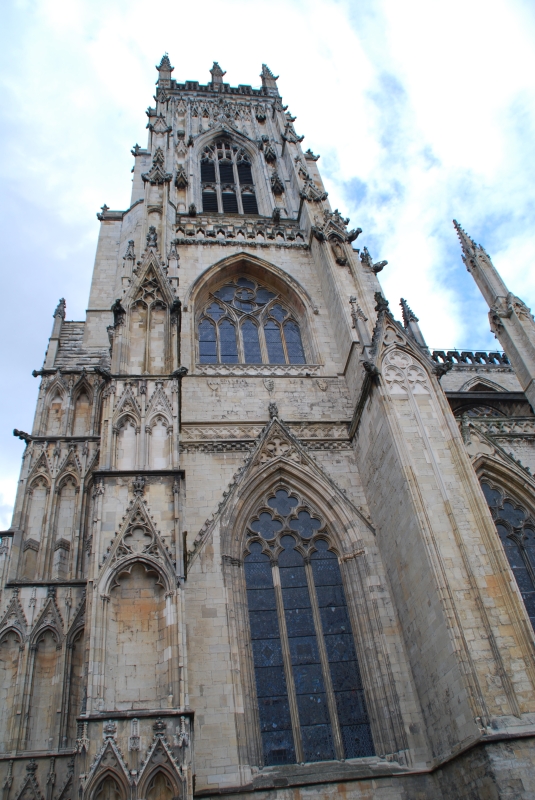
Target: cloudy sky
[{"x": 422, "y": 110}]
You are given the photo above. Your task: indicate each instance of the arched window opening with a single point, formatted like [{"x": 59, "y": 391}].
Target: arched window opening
[
  {"x": 41, "y": 723},
  {"x": 516, "y": 529},
  {"x": 160, "y": 788},
  {"x": 108, "y": 790},
  {"x": 246, "y": 323},
  {"x": 227, "y": 180},
  {"x": 311, "y": 704}
]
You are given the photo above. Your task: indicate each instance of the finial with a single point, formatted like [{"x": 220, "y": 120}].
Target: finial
[
  {"x": 408, "y": 313},
  {"x": 382, "y": 302},
  {"x": 269, "y": 82},
  {"x": 217, "y": 73}
]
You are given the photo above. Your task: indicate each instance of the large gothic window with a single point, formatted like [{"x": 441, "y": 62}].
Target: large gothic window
[
  {"x": 516, "y": 529},
  {"x": 311, "y": 703},
  {"x": 246, "y": 323},
  {"x": 227, "y": 180}
]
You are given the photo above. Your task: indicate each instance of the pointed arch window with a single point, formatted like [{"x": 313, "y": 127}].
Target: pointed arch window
[
  {"x": 227, "y": 180},
  {"x": 516, "y": 529},
  {"x": 244, "y": 322},
  {"x": 310, "y": 697}
]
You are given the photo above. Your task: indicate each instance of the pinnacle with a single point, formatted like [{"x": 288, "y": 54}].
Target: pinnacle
[
  {"x": 165, "y": 64},
  {"x": 467, "y": 243},
  {"x": 267, "y": 73}
]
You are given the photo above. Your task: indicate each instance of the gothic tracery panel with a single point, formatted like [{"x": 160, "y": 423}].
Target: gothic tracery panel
[
  {"x": 311, "y": 703},
  {"x": 42, "y": 709},
  {"x": 244, "y": 322},
  {"x": 227, "y": 180}
]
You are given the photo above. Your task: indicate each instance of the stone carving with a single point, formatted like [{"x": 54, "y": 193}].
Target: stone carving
[
  {"x": 60, "y": 309},
  {"x": 152, "y": 237},
  {"x": 273, "y": 410},
  {"x": 277, "y": 186},
  {"x": 367, "y": 261},
  {"x": 181, "y": 179},
  {"x": 157, "y": 175},
  {"x": 138, "y": 486},
  {"x": 130, "y": 253}
]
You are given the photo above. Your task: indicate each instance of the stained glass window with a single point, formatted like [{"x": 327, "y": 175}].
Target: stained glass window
[
  {"x": 516, "y": 530},
  {"x": 227, "y": 180},
  {"x": 307, "y": 659},
  {"x": 253, "y": 327}
]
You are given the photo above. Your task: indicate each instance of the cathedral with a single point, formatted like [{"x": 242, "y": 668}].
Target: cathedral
[{"x": 266, "y": 543}]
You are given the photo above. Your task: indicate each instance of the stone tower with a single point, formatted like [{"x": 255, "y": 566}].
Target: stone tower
[{"x": 264, "y": 539}]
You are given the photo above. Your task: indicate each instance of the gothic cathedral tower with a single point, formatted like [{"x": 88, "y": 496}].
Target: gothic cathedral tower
[{"x": 250, "y": 550}]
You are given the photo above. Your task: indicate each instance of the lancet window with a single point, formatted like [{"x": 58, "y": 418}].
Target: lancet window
[
  {"x": 311, "y": 704},
  {"x": 246, "y": 323},
  {"x": 516, "y": 529},
  {"x": 227, "y": 180}
]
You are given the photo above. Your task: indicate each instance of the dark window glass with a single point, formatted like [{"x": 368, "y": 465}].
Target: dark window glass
[
  {"x": 227, "y": 342},
  {"x": 207, "y": 172},
  {"x": 278, "y": 312},
  {"x": 226, "y": 173},
  {"x": 209, "y": 201},
  {"x": 250, "y": 206},
  {"x": 274, "y": 343},
  {"x": 518, "y": 540},
  {"x": 294, "y": 346},
  {"x": 304, "y": 652},
  {"x": 251, "y": 345},
  {"x": 266, "y": 525},
  {"x": 244, "y": 173},
  {"x": 273, "y": 706},
  {"x": 305, "y": 524},
  {"x": 207, "y": 343},
  {"x": 215, "y": 311},
  {"x": 343, "y": 664},
  {"x": 230, "y": 202},
  {"x": 282, "y": 502}
]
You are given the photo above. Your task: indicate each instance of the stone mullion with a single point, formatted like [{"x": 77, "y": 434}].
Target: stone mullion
[
  {"x": 76, "y": 530},
  {"x": 287, "y": 660},
  {"x": 262, "y": 339},
  {"x": 331, "y": 700}
]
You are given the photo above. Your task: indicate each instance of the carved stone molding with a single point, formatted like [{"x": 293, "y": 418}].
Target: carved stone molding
[{"x": 260, "y": 370}]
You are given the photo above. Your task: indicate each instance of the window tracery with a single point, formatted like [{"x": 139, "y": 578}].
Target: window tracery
[
  {"x": 311, "y": 704},
  {"x": 227, "y": 180},
  {"x": 516, "y": 529},
  {"x": 246, "y": 323}
]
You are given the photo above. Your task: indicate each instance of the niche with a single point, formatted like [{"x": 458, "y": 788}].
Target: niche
[
  {"x": 159, "y": 445},
  {"x": 42, "y": 716},
  {"x": 126, "y": 446},
  {"x": 137, "y": 656},
  {"x": 64, "y": 528},
  {"x": 82, "y": 415},
  {"x": 9, "y": 665},
  {"x": 55, "y": 416},
  {"x": 35, "y": 521}
]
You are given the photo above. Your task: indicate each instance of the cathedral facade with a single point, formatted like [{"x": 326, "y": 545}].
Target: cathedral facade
[{"x": 266, "y": 543}]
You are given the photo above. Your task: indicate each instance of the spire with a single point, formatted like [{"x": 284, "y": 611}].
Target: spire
[
  {"x": 165, "y": 69},
  {"x": 269, "y": 81},
  {"x": 468, "y": 245},
  {"x": 217, "y": 74},
  {"x": 478, "y": 263},
  {"x": 510, "y": 319},
  {"x": 410, "y": 322}
]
